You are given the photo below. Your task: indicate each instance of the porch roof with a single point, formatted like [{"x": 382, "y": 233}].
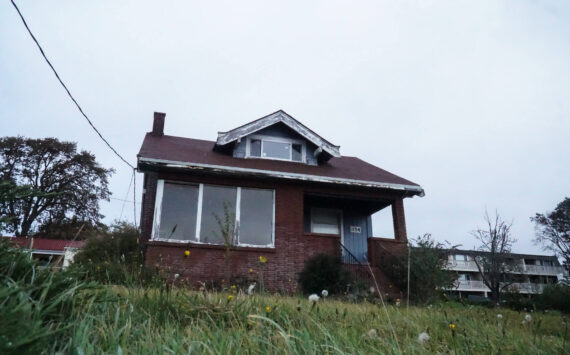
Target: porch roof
[{"x": 188, "y": 153}]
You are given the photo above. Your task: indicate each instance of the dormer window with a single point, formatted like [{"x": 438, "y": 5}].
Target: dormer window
[{"x": 276, "y": 148}]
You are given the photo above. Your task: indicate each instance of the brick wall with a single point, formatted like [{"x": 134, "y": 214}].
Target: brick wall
[{"x": 293, "y": 247}]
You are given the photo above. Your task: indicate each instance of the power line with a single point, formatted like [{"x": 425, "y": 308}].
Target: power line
[
  {"x": 67, "y": 90},
  {"x": 126, "y": 196}
]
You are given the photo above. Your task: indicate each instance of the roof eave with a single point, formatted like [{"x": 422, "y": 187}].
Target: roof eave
[{"x": 410, "y": 190}]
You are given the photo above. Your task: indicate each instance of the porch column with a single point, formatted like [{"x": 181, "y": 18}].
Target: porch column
[{"x": 399, "y": 220}]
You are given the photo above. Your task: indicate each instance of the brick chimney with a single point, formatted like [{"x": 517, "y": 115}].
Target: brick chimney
[{"x": 158, "y": 124}]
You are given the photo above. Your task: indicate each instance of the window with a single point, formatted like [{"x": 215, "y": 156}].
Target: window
[
  {"x": 464, "y": 277},
  {"x": 325, "y": 221},
  {"x": 459, "y": 257},
  {"x": 256, "y": 217},
  {"x": 178, "y": 215},
  {"x": 198, "y": 213},
  {"x": 276, "y": 148},
  {"x": 218, "y": 209}
]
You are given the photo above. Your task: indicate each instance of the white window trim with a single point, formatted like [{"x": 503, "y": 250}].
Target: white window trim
[
  {"x": 339, "y": 211},
  {"x": 291, "y": 141},
  {"x": 158, "y": 211}
]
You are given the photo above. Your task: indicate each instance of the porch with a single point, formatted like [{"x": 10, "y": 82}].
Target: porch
[{"x": 347, "y": 220}]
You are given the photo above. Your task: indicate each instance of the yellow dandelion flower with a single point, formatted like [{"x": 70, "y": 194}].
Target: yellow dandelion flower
[
  {"x": 262, "y": 259},
  {"x": 187, "y": 253},
  {"x": 250, "y": 270},
  {"x": 268, "y": 309},
  {"x": 230, "y": 297},
  {"x": 452, "y": 327}
]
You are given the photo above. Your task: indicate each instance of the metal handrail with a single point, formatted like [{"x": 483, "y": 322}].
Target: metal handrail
[{"x": 351, "y": 258}]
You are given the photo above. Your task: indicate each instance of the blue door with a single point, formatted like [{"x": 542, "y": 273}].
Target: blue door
[{"x": 355, "y": 236}]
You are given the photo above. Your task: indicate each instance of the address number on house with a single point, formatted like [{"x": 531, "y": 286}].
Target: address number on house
[{"x": 355, "y": 229}]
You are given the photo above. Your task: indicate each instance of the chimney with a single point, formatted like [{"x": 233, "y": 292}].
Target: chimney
[{"x": 158, "y": 124}]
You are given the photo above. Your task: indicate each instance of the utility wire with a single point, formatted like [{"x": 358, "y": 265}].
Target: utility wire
[
  {"x": 67, "y": 90},
  {"x": 126, "y": 196}
]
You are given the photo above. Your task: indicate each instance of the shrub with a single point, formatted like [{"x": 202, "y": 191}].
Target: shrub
[
  {"x": 116, "y": 258},
  {"x": 555, "y": 297},
  {"x": 428, "y": 276},
  {"x": 324, "y": 272}
]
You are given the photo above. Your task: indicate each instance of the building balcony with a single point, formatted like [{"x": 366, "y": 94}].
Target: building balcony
[
  {"x": 462, "y": 265},
  {"x": 544, "y": 270},
  {"x": 472, "y": 285}
]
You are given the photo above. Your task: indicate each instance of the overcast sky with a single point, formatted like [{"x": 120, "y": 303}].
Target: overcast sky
[{"x": 469, "y": 99}]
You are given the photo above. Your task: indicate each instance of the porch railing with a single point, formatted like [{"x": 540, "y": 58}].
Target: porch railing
[{"x": 353, "y": 265}]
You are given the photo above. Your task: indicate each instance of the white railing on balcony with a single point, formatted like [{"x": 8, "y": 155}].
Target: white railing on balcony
[
  {"x": 526, "y": 287},
  {"x": 462, "y": 265},
  {"x": 473, "y": 285},
  {"x": 544, "y": 270}
]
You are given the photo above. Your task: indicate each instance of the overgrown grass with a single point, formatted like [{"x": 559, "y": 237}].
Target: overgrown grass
[{"x": 44, "y": 313}]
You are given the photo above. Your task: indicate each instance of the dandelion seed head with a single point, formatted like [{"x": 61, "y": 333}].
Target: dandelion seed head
[
  {"x": 325, "y": 293},
  {"x": 250, "y": 289},
  {"x": 499, "y": 316},
  {"x": 314, "y": 298},
  {"x": 176, "y": 276},
  {"x": 423, "y": 338},
  {"x": 528, "y": 317},
  {"x": 372, "y": 333}
]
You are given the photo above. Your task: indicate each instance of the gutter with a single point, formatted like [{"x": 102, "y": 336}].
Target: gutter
[{"x": 415, "y": 190}]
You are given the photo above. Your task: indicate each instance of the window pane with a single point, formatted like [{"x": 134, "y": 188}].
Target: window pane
[
  {"x": 255, "y": 148},
  {"x": 256, "y": 217},
  {"x": 178, "y": 212},
  {"x": 325, "y": 221},
  {"x": 276, "y": 150},
  {"x": 218, "y": 207},
  {"x": 297, "y": 152}
]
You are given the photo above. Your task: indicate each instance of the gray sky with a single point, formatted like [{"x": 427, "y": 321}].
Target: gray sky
[{"x": 469, "y": 99}]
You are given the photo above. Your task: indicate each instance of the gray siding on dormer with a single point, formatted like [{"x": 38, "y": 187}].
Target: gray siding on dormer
[{"x": 279, "y": 131}]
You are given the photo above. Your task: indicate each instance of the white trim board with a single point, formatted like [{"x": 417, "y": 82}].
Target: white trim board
[{"x": 286, "y": 175}]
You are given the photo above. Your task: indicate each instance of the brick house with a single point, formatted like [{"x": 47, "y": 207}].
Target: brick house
[{"x": 285, "y": 192}]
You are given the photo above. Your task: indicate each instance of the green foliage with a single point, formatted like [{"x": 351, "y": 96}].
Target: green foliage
[
  {"x": 324, "y": 272},
  {"x": 48, "y": 181},
  {"x": 116, "y": 258},
  {"x": 556, "y": 297},
  {"x": 56, "y": 313},
  {"x": 427, "y": 275},
  {"x": 36, "y": 304},
  {"x": 553, "y": 230}
]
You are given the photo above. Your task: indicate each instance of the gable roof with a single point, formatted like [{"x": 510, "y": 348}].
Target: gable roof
[
  {"x": 198, "y": 155},
  {"x": 271, "y": 119}
]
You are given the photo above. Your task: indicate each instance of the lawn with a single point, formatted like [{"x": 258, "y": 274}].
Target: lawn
[{"x": 105, "y": 319}]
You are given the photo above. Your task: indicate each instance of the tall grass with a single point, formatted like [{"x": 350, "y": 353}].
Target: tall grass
[{"x": 57, "y": 313}]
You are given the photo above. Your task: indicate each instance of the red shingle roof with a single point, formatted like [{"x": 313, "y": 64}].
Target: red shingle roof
[
  {"x": 194, "y": 151},
  {"x": 46, "y": 244}
]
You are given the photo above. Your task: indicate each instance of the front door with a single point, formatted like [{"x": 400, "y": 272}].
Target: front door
[{"x": 355, "y": 236}]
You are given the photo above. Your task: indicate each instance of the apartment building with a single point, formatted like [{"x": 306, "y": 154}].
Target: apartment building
[{"x": 532, "y": 273}]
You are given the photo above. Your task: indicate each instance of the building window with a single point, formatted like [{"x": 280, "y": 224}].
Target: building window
[
  {"x": 201, "y": 213},
  {"x": 459, "y": 257},
  {"x": 325, "y": 221},
  {"x": 275, "y": 148}
]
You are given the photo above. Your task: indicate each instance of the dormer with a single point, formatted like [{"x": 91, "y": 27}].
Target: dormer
[{"x": 277, "y": 136}]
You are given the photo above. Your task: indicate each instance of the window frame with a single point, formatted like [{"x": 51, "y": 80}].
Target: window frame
[
  {"x": 196, "y": 240},
  {"x": 289, "y": 141},
  {"x": 340, "y": 222}
]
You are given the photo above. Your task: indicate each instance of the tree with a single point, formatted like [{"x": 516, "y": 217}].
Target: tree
[
  {"x": 495, "y": 263},
  {"x": 553, "y": 230},
  {"x": 60, "y": 182}
]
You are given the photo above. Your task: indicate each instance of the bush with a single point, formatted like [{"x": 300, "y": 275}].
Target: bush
[
  {"x": 428, "y": 276},
  {"x": 116, "y": 258},
  {"x": 324, "y": 272},
  {"x": 555, "y": 297}
]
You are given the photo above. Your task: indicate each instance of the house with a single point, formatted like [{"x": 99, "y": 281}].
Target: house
[
  {"x": 530, "y": 273},
  {"x": 50, "y": 253},
  {"x": 286, "y": 193}
]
